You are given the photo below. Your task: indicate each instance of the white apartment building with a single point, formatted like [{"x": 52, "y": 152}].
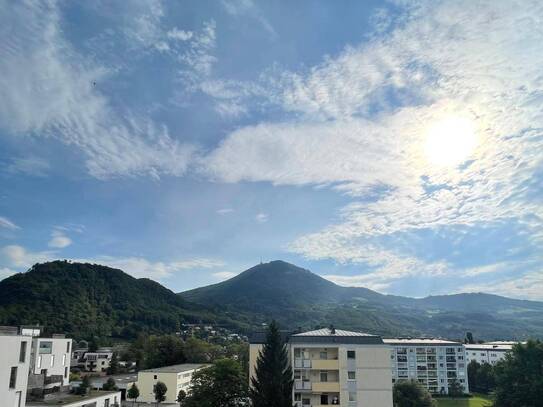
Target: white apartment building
[
  {"x": 487, "y": 352},
  {"x": 14, "y": 362},
  {"x": 434, "y": 363},
  {"x": 335, "y": 367},
  {"x": 175, "y": 377},
  {"x": 50, "y": 362}
]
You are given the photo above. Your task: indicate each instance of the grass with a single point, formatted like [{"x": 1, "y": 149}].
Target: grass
[{"x": 475, "y": 401}]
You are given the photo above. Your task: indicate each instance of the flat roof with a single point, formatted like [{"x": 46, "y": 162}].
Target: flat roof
[
  {"x": 119, "y": 378},
  {"x": 65, "y": 399},
  {"x": 420, "y": 341},
  {"x": 487, "y": 346},
  {"x": 176, "y": 368}
]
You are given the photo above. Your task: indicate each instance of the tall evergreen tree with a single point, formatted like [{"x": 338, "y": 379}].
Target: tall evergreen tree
[{"x": 272, "y": 383}]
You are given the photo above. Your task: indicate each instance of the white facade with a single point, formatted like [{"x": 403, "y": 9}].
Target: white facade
[
  {"x": 433, "y": 363},
  {"x": 487, "y": 352},
  {"x": 94, "y": 399},
  {"x": 52, "y": 357},
  {"x": 14, "y": 363},
  {"x": 176, "y": 377},
  {"x": 97, "y": 361}
]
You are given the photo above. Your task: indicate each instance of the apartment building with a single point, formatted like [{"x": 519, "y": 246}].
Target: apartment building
[
  {"x": 96, "y": 361},
  {"x": 335, "y": 367},
  {"x": 175, "y": 377},
  {"x": 487, "y": 352},
  {"x": 50, "y": 363},
  {"x": 434, "y": 363},
  {"x": 14, "y": 363}
]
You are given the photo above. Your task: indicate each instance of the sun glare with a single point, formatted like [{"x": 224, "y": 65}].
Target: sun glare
[{"x": 450, "y": 141}]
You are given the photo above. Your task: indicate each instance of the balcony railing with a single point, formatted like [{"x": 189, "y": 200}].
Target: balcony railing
[{"x": 302, "y": 385}]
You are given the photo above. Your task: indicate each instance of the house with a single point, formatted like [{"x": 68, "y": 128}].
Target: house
[
  {"x": 434, "y": 363},
  {"x": 96, "y": 361},
  {"x": 176, "y": 377},
  {"x": 14, "y": 364},
  {"x": 333, "y": 366}
]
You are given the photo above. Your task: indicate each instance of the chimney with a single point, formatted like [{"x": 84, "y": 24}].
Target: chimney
[{"x": 332, "y": 330}]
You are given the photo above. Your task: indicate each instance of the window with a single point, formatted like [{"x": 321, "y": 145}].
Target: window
[
  {"x": 106, "y": 403},
  {"x": 46, "y": 347},
  {"x": 22, "y": 352},
  {"x": 324, "y": 355},
  {"x": 68, "y": 347},
  {"x": 155, "y": 377},
  {"x": 13, "y": 378},
  {"x": 352, "y": 396},
  {"x": 324, "y": 376},
  {"x": 297, "y": 397},
  {"x": 351, "y": 354},
  {"x": 351, "y": 375},
  {"x": 66, "y": 372}
]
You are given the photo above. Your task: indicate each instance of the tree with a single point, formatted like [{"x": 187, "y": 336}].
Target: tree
[
  {"x": 181, "y": 396},
  {"x": 109, "y": 385},
  {"x": 84, "y": 386},
  {"x": 133, "y": 393},
  {"x": 473, "y": 375},
  {"x": 160, "y": 390},
  {"x": 519, "y": 377},
  {"x": 272, "y": 383},
  {"x": 155, "y": 351},
  {"x": 411, "y": 394},
  {"x": 223, "y": 384},
  {"x": 113, "y": 365},
  {"x": 455, "y": 388},
  {"x": 469, "y": 338},
  {"x": 481, "y": 377}
]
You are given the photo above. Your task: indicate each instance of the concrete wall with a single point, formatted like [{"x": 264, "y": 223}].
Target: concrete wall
[
  {"x": 173, "y": 381},
  {"x": 10, "y": 347},
  {"x": 254, "y": 351}
]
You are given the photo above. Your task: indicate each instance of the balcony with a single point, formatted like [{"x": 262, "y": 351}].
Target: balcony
[
  {"x": 325, "y": 387},
  {"x": 325, "y": 364},
  {"x": 302, "y": 385}
]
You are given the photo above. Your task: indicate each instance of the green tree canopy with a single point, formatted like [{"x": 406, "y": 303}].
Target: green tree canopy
[
  {"x": 223, "y": 384},
  {"x": 272, "y": 384},
  {"x": 519, "y": 377},
  {"x": 109, "y": 385},
  {"x": 84, "y": 386},
  {"x": 455, "y": 388},
  {"x": 160, "y": 389},
  {"x": 181, "y": 396},
  {"x": 113, "y": 364},
  {"x": 411, "y": 394},
  {"x": 133, "y": 393}
]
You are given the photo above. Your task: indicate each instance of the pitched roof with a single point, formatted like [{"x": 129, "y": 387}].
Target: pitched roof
[{"x": 328, "y": 332}]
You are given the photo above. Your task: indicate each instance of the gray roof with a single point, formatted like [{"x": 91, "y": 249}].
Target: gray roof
[
  {"x": 328, "y": 332},
  {"x": 421, "y": 341},
  {"x": 339, "y": 336},
  {"x": 176, "y": 368}
]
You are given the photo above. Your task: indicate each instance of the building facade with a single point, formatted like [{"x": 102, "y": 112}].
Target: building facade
[
  {"x": 96, "y": 361},
  {"x": 335, "y": 367},
  {"x": 14, "y": 364},
  {"x": 487, "y": 352},
  {"x": 434, "y": 363},
  {"x": 176, "y": 377},
  {"x": 50, "y": 361}
]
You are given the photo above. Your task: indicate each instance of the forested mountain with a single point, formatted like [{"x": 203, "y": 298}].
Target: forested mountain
[
  {"x": 86, "y": 300},
  {"x": 297, "y": 297}
]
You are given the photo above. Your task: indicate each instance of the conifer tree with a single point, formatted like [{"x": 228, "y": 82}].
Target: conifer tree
[{"x": 272, "y": 383}]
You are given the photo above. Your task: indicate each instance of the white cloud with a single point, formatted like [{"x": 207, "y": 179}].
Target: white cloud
[
  {"x": 6, "y": 223},
  {"x": 48, "y": 90},
  {"x": 29, "y": 165},
  {"x": 262, "y": 217},
  {"x": 140, "y": 267},
  {"x": 247, "y": 8},
  {"x": 224, "y": 275},
  {"x": 19, "y": 257},
  {"x": 225, "y": 211},
  {"x": 526, "y": 286},
  {"x": 59, "y": 240},
  {"x": 6, "y": 272},
  {"x": 180, "y": 35},
  {"x": 362, "y": 119}
]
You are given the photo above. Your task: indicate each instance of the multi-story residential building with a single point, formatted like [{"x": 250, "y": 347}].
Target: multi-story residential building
[
  {"x": 176, "y": 377},
  {"x": 337, "y": 367},
  {"x": 96, "y": 361},
  {"x": 14, "y": 362},
  {"x": 434, "y": 363},
  {"x": 50, "y": 363},
  {"x": 487, "y": 352}
]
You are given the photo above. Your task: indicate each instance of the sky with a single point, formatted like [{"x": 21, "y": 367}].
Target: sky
[{"x": 395, "y": 145}]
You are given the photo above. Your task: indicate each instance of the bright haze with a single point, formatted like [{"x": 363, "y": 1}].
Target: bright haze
[{"x": 392, "y": 145}]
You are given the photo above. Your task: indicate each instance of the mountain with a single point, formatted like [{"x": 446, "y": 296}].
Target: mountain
[
  {"x": 86, "y": 300},
  {"x": 297, "y": 297}
]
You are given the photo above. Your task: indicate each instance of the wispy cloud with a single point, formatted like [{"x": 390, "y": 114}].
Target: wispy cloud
[
  {"x": 262, "y": 217},
  {"x": 29, "y": 165},
  {"x": 225, "y": 211},
  {"x": 247, "y": 8},
  {"x": 363, "y": 117},
  {"x": 224, "y": 275},
  {"x": 59, "y": 240},
  {"x": 527, "y": 286},
  {"x": 6, "y": 223},
  {"x": 48, "y": 90},
  {"x": 15, "y": 256}
]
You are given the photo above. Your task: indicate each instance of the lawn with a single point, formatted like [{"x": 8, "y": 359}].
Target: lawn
[{"x": 475, "y": 401}]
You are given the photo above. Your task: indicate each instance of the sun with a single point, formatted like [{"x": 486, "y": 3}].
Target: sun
[{"x": 450, "y": 141}]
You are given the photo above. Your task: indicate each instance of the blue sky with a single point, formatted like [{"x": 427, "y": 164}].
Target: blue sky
[{"x": 392, "y": 145}]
